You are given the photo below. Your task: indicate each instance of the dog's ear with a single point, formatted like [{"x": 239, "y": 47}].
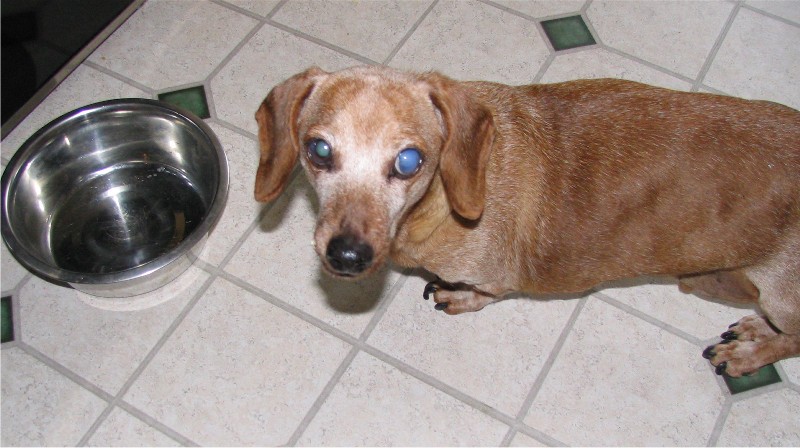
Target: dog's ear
[
  {"x": 277, "y": 132},
  {"x": 469, "y": 133}
]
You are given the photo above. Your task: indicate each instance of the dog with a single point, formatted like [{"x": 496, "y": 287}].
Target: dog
[{"x": 549, "y": 188}]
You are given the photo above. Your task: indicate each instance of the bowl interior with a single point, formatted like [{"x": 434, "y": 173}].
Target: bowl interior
[{"x": 111, "y": 188}]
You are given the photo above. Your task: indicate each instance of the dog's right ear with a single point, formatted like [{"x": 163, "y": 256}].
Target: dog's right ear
[{"x": 277, "y": 132}]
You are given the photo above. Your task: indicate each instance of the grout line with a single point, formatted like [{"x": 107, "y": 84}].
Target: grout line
[
  {"x": 238, "y": 9},
  {"x": 100, "y": 393},
  {"x": 155, "y": 424},
  {"x": 233, "y": 128},
  {"x": 16, "y": 309},
  {"x": 234, "y": 52},
  {"x": 276, "y": 9},
  {"x": 514, "y": 12},
  {"x": 409, "y": 33},
  {"x": 65, "y": 371},
  {"x": 323, "y": 396},
  {"x": 548, "y": 365},
  {"x": 537, "y": 435},
  {"x": 209, "y": 97},
  {"x": 255, "y": 224},
  {"x": 649, "y": 319},
  {"x": 545, "y": 66},
  {"x": 724, "y": 412},
  {"x": 149, "y": 357},
  {"x": 715, "y": 49},
  {"x": 438, "y": 384},
  {"x": 712, "y": 90},
  {"x": 124, "y": 79},
  {"x": 649, "y": 64},
  {"x": 363, "y": 346},
  {"x": 769, "y": 14},
  {"x": 383, "y": 307},
  {"x": 322, "y": 43},
  {"x": 297, "y": 312}
]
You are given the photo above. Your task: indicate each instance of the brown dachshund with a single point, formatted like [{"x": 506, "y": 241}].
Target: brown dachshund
[{"x": 551, "y": 188}]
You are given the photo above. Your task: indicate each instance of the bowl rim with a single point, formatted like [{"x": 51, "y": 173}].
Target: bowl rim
[{"x": 20, "y": 158}]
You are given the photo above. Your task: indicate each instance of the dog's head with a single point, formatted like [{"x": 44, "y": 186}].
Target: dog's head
[{"x": 371, "y": 141}]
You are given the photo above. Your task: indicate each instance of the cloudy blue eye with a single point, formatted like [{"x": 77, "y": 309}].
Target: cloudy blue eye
[
  {"x": 407, "y": 162},
  {"x": 319, "y": 153}
]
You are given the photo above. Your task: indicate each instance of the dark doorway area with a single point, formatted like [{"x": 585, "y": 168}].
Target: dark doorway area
[{"x": 40, "y": 38}]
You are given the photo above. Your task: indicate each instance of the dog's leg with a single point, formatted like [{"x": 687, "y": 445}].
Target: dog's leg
[
  {"x": 727, "y": 285},
  {"x": 749, "y": 345},
  {"x": 458, "y": 298}
]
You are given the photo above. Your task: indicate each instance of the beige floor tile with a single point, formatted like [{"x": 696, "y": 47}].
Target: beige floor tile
[
  {"x": 675, "y": 35},
  {"x": 269, "y": 57},
  {"x": 123, "y": 429},
  {"x": 621, "y": 381},
  {"x": 792, "y": 368},
  {"x": 543, "y": 8},
  {"x": 756, "y": 60},
  {"x": 40, "y": 406},
  {"x": 169, "y": 43},
  {"x": 371, "y": 29},
  {"x": 600, "y": 63},
  {"x": 102, "y": 345},
  {"x": 279, "y": 258},
  {"x": 84, "y": 86},
  {"x": 472, "y": 40},
  {"x": 237, "y": 371},
  {"x": 241, "y": 209},
  {"x": 493, "y": 355},
  {"x": 375, "y": 404},
  {"x": 772, "y": 419},
  {"x": 698, "y": 317}
]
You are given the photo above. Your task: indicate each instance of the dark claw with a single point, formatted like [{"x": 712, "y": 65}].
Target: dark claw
[
  {"x": 709, "y": 353},
  {"x": 430, "y": 288},
  {"x": 441, "y": 306},
  {"x": 729, "y": 336},
  {"x": 733, "y": 324},
  {"x": 721, "y": 368}
]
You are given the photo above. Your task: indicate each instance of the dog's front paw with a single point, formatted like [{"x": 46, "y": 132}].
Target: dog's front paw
[{"x": 454, "y": 300}]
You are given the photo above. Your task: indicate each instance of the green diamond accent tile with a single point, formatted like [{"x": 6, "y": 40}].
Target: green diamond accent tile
[
  {"x": 762, "y": 377},
  {"x": 192, "y": 99},
  {"x": 8, "y": 322},
  {"x": 568, "y": 32}
]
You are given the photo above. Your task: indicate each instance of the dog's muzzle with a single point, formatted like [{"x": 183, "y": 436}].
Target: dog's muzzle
[{"x": 348, "y": 255}]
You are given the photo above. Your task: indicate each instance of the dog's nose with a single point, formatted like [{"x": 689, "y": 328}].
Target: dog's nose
[{"x": 348, "y": 255}]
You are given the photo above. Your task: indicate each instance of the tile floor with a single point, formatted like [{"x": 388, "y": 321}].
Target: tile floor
[{"x": 252, "y": 346}]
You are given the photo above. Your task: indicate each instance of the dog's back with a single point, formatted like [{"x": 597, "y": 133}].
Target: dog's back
[{"x": 618, "y": 179}]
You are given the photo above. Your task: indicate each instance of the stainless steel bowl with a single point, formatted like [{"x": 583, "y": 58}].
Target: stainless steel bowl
[{"x": 116, "y": 198}]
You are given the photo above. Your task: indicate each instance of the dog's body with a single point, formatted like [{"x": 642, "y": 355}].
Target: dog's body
[{"x": 550, "y": 189}]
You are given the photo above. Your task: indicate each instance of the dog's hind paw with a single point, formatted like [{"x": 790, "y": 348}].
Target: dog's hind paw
[{"x": 734, "y": 358}]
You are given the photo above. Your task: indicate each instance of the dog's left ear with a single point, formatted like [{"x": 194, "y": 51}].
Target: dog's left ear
[
  {"x": 469, "y": 133},
  {"x": 277, "y": 133}
]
